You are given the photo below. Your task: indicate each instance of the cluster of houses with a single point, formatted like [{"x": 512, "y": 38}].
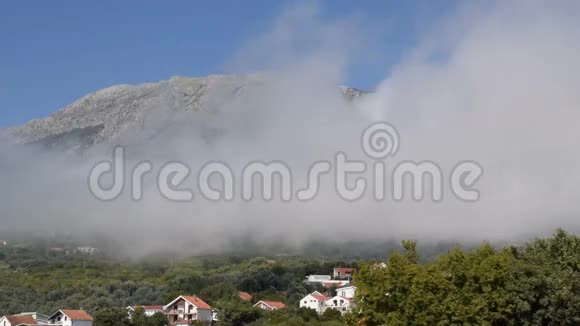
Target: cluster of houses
[
  {"x": 185, "y": 309},
  {"x": 341, "y": 301},
  {"x": 62, "y": 317}
]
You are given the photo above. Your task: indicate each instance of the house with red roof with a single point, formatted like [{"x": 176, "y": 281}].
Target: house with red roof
[
  {"x": 342, "y": 304},
  {"x": 17, "y": 320},
  {"x": 343, "y": 273},
  {"x": 187, "y": 308},
  {"x": 246, "y": 296},
  {"x": 315, "y": 301},
  {"x": 68, "y": 317},
  {"x": 270, "y": 305}
]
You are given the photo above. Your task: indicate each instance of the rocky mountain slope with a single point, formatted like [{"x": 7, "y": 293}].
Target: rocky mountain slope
[{"x": 124, "y": 112}]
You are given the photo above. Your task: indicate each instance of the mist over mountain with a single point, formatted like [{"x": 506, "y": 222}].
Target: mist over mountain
[{"x": 136, "y": 114}]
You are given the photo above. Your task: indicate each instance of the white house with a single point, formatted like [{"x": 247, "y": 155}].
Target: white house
[
  {"x": 317, "y": 278},
  {"x": 270, "y": 305},
  {"x": 347, "y": 292},
  {"x": 187, "y": 308},
  {"x": 24, "y": 319},
  {"x": 149, "y": 310},
  {"x": 314, "y": 300},
  {"x": 87, "y": 250},
  {"x": 339, "y": 303},
  {"x": 71, "y": 318}
]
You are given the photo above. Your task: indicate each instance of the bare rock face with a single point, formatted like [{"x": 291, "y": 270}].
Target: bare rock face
[{"x": 123, "y": 113}]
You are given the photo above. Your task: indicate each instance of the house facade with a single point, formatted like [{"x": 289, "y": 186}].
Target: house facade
[
  {"x": 186, "y": 308},
  {"x": 315, "y": 301},
  {"x": 347, "y": 292},
  {"x": 71, "y": 318},
  {"x": 339, "y": 303},
  {"x": 15, "y": 320},
  {"x": 87, "y": 250},
  {"x": 341, "y": 273}
]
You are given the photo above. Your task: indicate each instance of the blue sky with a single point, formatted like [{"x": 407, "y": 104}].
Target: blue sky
[{"x": 53, "y": 52}]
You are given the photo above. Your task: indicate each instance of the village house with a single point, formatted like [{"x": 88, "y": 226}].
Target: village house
[
  {"x": 315, "y": 301},
  {"x": 67, "y": 317},
  {"x": 339, "y": 303},
  {"x": 343, "y": 301},
  {"x": 186, "y": 308},
  {"x": 86, "y": 250},
  {"x": 270, "y": 305},
  {"x": 246, "y": 296},
  {"x": 24, "y": 319},
  {"x": 149, "y": 310},
  {"x": 317, "y": 278},
  {"x": 347, "y": 292},
  {"x": 341, "y": 273}
]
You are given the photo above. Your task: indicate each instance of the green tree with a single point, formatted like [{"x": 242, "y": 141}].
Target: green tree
[
  {"x": 236, "y": 312},
  {"x": 330, "y": 315},
  {"x": 158, "y": 319},
  {"x": 112, "y": 317}
]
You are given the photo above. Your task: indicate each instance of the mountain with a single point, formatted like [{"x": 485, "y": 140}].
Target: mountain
[{"x": 123, "y": 113}]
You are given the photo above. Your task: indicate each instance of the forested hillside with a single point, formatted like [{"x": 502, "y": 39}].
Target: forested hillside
[{"x": 534, "y": 284}]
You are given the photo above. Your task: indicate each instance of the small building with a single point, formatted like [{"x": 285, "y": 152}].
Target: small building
[
  {"x": 347, "y": 292},
  {"x": 341, "y": 273},
  {"x": 315, "y": 301},
  {"x": 149, "y": 310},
  {"x": 246, "y": 296},
  {"x": 87, "y": 250},
  {"x": 67, "y": 317},
  {"x": 3, "y": 243},
  {"x": 339, "y": 303},
  {"x": 270, "y": 305},
  {"x": 317, "y": 278},
  {"x": 187, "y": 308},
  {"x": 24, "y": 319}
]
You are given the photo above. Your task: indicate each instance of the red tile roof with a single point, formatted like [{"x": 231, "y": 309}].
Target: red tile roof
[
  {"x": 246, "y": 296},
  {"x": 344, "y": 269},
  {"x": 196, "y": 301},
  {"x": 21, "y": 319},
  {"x": 274, "y": 304},
  {"x": 319, "y": 297},
  {"x": 77, "y": 314}
]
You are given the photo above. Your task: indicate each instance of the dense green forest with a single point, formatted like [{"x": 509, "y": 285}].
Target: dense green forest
[{"x": 533, "y": 284}]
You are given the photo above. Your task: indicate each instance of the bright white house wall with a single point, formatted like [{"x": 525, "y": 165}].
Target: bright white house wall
[
  {"x": 347, "y": 292},
  {"x": 312, "y": 303}
]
